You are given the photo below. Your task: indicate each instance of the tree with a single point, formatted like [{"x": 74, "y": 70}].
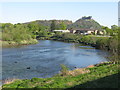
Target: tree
[
  {"x": 108, "y": 30},
  {"x": 114, "y": 27},
  {"x": 53, "y": 26},
  {"x": 63, "y": 26},
  {"x": 104, "y": 32}
]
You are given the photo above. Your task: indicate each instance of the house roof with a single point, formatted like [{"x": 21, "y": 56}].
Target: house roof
[
  {"x": 60, "y": 30},
  {"x": 84, "y": 29}
]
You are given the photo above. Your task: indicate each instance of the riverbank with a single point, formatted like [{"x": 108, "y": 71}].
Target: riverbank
[
  {"x": 106, "y": 43},
  {"x": 13, "y": 43},
  {"x": 109, "y": 44},
  {"x": 104, "y": 75}
]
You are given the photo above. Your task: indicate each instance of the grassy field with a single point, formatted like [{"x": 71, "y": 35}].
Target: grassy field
[{"x": 103, "y": 75}]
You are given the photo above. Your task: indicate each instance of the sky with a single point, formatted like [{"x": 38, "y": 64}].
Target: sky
[{"x": 105, "y": 13}]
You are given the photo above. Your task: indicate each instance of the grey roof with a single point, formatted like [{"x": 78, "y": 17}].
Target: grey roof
[{"x": 82, "y": 29}]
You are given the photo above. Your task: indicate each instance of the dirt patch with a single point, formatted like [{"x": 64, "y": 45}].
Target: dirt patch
[
  {"x": 8, "y": 81},
  {"x": 90, "y": 66},
  {"x": 70, "y": 83},
  {"x": 78, "y": 71}
]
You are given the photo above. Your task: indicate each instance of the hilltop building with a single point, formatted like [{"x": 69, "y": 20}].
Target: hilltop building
[{"x": 84, "y": 18}]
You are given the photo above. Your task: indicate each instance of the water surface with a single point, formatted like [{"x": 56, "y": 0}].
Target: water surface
[{"x": 44, "y": 59}]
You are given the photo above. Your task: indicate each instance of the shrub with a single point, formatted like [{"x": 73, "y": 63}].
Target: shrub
[
  {"x": 102, "y": 43},
  {"x": 64, "y": 70}
]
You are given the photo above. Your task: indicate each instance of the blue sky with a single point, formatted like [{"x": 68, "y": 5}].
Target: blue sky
[{"x": 106, "y": 13}]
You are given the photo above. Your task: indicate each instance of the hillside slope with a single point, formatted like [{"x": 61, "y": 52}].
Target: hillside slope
[{"x": 87, "y": 23}]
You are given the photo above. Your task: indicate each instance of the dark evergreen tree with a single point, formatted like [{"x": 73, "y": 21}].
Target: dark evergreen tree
[{"x": 52, "y": 27}]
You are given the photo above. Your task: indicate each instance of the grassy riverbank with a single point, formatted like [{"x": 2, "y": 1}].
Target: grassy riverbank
[
  {"x": 14, "y": 43},
  {"x": 103, "y": 75},
  {"x": 100, "y": 42}
]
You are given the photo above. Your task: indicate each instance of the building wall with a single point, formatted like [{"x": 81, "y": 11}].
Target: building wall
[
  {"x": 64, "y": 31},
  {"x": 84, "y": 32},
  {"x": 89, "y": 32},
  {"x": 72, "y": 31},
  {"x": 100, "y": 32},
  {"x": 96, "y": 32}
]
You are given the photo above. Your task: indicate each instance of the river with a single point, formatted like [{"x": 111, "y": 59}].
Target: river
[{"x": 43, "y": 59}]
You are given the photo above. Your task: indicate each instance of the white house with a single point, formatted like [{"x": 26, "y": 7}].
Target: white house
[
  {"x": 63, "y": 31},
  {"x": 84, "y": 31}
]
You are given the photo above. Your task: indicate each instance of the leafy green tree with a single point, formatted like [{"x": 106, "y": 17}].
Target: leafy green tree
[
  {"x": 114, "y": 27},
  {"x": 63, "y": 26},
  {"x": 108, "y": 30},
  {"x": 104, "y": 32},
  {"x": 17, "y": 32},
  {"x": 7, "y": 25},
  {"x": 53, "y": 25}
]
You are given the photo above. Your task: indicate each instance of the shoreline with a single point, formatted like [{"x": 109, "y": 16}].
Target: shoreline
[
  {"x": 70, "y": 73},
  {"x": 89, "y": 66}
]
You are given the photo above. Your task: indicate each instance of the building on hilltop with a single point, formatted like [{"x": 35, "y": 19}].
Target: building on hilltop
[{"x": 89, "y": 17}]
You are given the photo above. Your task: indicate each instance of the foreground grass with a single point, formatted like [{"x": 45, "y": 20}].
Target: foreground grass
[{"x": 100, "y": 76}]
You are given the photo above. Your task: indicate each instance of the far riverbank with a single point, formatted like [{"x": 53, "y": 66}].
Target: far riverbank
[{"x": 14, "y": 43}]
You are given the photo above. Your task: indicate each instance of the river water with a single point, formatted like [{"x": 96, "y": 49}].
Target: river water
[{"x": 43, "y": 59}]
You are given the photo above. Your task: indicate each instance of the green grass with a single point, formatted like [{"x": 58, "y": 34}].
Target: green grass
[
  {"x": 22, "y": 42},
  {"x": 99, "y": 76}
]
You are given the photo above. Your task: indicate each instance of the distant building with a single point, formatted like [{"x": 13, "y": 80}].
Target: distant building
[
  {"x": 81, "y": 31},
  {"x": 86, "y": 31},
  {"x": 63, "y": 31}
]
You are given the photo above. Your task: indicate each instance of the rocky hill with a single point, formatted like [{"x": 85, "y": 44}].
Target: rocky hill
[
  {"x": 85, "y": 22},
  {"x": 48, "y": 22}
]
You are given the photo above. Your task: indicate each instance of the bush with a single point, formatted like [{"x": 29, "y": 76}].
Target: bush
[
  {"x": 113, "y": 44},
  {"x": 16, "y": 33},
  {"x": 86, "y": 39},
  {"x": 64, "y": 70},
  {"x": 102, "y": 43},
  {"x": 68, "y": 37}
]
